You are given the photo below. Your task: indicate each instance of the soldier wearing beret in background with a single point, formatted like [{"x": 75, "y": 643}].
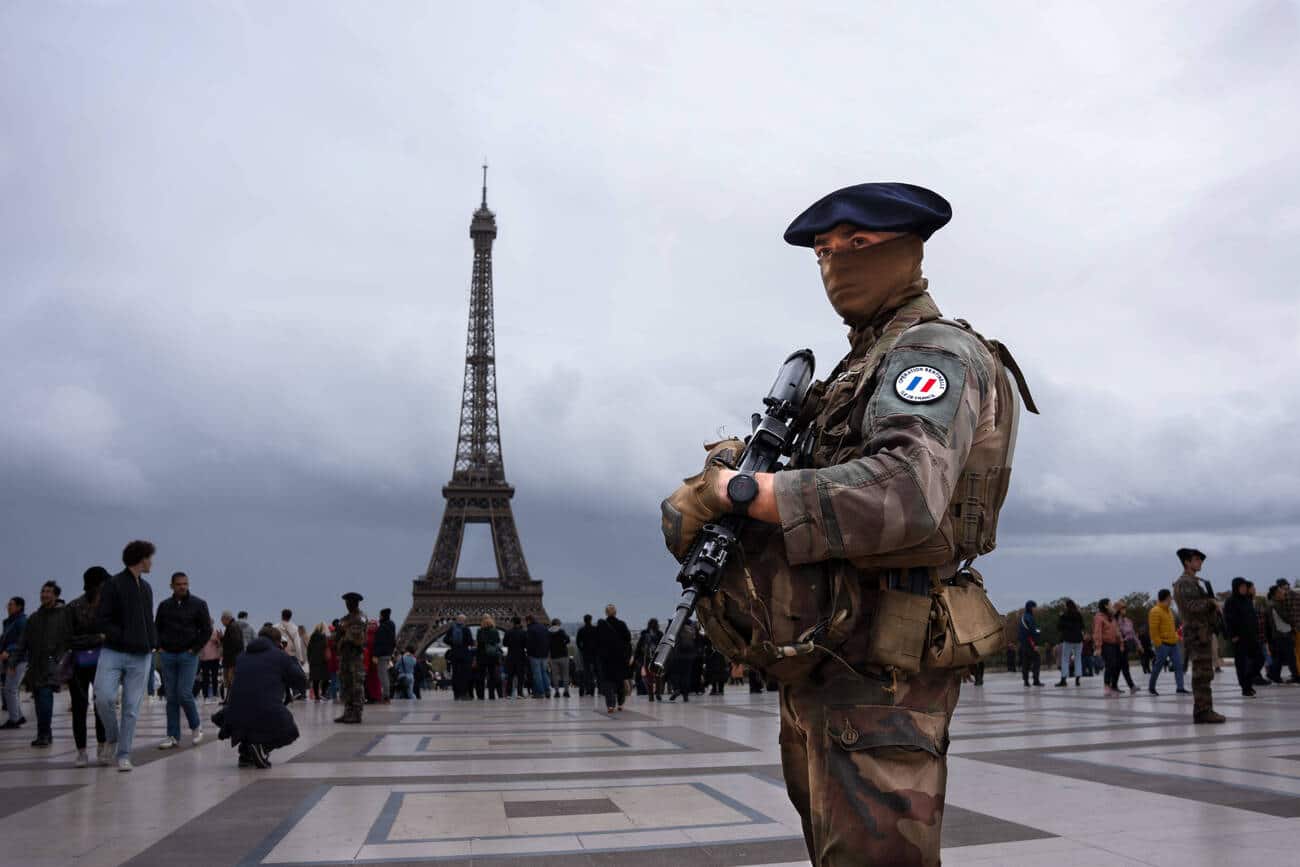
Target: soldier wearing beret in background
[
  {"x": 1199, "y": 610},
  {"x": 906, "y": 462},
  {"x": 350, "y": 645}
]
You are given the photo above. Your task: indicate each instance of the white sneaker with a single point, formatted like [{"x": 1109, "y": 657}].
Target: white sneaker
[
  {"x": 82, "y": 759},
  {"x": 196, "y": 737},
  {"x": 124, "y": 764},
  {"x": 106, "y": 751},
  {"x": 166, "y": 743}
]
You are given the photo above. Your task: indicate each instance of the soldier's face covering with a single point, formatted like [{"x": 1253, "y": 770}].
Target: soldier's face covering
[{"x": 861, "y": 284}]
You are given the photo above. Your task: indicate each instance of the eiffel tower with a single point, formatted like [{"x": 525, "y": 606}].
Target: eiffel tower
[{"x": 478, "y": 492}]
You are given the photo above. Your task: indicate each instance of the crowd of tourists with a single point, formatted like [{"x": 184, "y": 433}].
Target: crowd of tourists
[{"x": 1260, "y": 632}]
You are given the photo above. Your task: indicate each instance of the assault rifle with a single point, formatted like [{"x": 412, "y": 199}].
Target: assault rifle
[{"x": 770, "y": 441}]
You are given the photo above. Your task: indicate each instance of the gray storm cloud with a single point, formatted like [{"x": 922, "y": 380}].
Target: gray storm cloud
[{"x": 232, "y": 312}]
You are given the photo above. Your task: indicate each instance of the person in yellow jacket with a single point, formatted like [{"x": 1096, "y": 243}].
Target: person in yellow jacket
[{"x": 1164, "y": 640}]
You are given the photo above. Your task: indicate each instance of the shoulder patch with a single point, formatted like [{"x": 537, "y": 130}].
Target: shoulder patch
[{"x": 921, "y": 384}]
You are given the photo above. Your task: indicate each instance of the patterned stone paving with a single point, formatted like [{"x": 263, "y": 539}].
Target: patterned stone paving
[{"x": 1048, "y": 776}]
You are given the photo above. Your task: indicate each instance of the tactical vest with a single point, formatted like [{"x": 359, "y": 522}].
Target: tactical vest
[{"x": 770, "y": 613}]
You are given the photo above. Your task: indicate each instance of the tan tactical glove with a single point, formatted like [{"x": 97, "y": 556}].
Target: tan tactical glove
[{"x": 696, "y": 502}]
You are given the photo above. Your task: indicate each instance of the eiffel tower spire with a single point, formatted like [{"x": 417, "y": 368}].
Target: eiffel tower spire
[{"x": 478, "y": 492}]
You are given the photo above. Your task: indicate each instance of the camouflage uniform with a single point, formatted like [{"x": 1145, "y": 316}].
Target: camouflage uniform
[
  {"x": 864, "y": 747},
  {"x": 351, "y": 644},
  {"x": 1199, "y": 612}
]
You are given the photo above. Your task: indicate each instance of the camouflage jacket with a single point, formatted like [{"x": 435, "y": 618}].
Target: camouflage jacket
[
  {"x": 877, "y": 480},
  {"x": 350, "y": 638},
  {"x": 1195, "y": 605}
]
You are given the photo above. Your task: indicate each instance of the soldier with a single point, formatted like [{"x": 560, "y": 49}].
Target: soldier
[
  {"x": 350, "y": 644},
  {"x": 1200, "y": 613},
  {"x": 905, "y": 466}
]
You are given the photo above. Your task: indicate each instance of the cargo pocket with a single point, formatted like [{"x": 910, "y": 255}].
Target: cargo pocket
[{"x": 885, "y": 779}]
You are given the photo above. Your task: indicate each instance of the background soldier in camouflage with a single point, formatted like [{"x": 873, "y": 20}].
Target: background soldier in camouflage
[
  {"x": 1200, "y": 613},
  {"x": 350, "y": 643},
  {"x": 894, "y": 434}
]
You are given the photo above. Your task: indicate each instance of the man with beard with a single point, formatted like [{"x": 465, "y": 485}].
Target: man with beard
[{"x": 905, "y": 462}]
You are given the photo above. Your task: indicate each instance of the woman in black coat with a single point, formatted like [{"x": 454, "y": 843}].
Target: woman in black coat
[{"x": 255, "y": 717}]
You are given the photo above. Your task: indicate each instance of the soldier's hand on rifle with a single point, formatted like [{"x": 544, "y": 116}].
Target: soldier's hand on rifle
[{"x": 698, "y": 500}]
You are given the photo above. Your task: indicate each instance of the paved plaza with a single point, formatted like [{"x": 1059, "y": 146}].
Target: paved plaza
[{"x": 1048, "y": 776}]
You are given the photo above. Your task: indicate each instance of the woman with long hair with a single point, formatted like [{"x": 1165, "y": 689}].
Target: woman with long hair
[
  {"x": 1128, "y": 643},
  {"x": 487, "y": 660},
  {"x": 1105, "y": 634},
  {"x": 317, "y": 665}
]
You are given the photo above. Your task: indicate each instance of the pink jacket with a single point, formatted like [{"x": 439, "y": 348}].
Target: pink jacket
[
  {"x": 211, "y": 650},
  {"x": 1104, "y": 630}
]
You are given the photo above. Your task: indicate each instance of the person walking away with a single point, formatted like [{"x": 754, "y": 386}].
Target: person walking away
[
  {"x": 232, "y": 644},
  {"x": 255, "y": 719},
  {"x": 488, "y": 652},
  {"x": 44, "y": 642},
  {"x": 682, "y": 663},
  {"x": 1243, "y": 632},
  {"x": 289, "y": 635},
  {"x": 210, "y": 666},
  {"x": 586, "y": 644},
  {"x": 1164, "y": 641},
  {"x": 1070, "y": 624},
  {"x": 613, "y": 653},
  {"x": 12, "y": 661},
  {"x": 183, "y": 627},
  {"x": 405, "y": 668},
  {"x": 350, "y": 644},
  {"x": 537, "y": 640},
  {"x": 1200, "y": 614},
  {"x": 516, "y": 645},
  {"x": 317, "y": 665},
  {"x": 1128, "y": 643},
  {"x": 246, "y": 629},
  {"x": 559, "y": 650},
  {"x": 1281, "y": 639},
  {"x": 1147, "y": 651},
  {"x": 646, "y": 645},
  {"x": 385, "y": 647},
  {"x": 126, "y": 620},
  {"x": 85, "y": 640},
  {"x": 1029, "y": 633},
  {"x": 460, "y": 659}
]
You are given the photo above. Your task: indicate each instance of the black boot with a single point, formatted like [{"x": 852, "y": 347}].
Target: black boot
[{"x": 1061, "y": 682}]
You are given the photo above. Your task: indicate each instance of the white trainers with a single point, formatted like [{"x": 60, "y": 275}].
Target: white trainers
[
  {"x": 124, "y": 764},
  {"x": 106, "y": 751},
  {"x": 167, "y": 743},
  {"x": 196, "y": 737},
  {"x": 82, "y": 759}
]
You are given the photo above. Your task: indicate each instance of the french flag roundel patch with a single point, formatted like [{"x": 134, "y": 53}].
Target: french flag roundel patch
[{"x": 921, "y": 384}]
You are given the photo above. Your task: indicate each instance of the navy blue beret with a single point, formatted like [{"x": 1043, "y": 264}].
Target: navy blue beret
[{"x": 887, "y": 207}]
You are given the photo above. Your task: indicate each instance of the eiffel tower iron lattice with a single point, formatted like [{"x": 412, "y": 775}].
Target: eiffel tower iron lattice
[{"x": 478, "y": 492}]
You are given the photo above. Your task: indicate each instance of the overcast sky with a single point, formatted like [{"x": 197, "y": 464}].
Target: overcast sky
[{"x": 236, "y": 265}]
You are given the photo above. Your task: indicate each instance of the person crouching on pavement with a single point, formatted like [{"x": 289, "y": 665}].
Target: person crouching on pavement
[{"x": 255, "y": 718}]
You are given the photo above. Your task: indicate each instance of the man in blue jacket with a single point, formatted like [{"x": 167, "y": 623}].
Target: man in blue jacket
[{"x": 126, "y": 620}]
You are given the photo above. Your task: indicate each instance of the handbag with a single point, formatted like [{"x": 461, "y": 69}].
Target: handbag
[{"x": 87, "y": 658}]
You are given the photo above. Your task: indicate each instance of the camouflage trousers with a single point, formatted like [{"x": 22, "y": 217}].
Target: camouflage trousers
[
  {"x": 352, "y": 683},
  {"x": 1201, "y": 655},
  {"x": 867, "y": 769}
]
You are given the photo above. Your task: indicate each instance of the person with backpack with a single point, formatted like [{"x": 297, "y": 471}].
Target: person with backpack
[{"x": 487, "y": 660}]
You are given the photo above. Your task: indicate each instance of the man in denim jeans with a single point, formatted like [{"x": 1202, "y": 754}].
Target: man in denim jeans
[
  {"x": 1164, "y": 638},
  {"x": 184, "y": 626},
  {"x": 126, "y": 620}
]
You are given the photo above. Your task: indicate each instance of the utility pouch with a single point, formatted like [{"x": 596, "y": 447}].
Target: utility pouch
[
  {"x": 899, "y": 631},
  {"x": 965, "y": 626}
]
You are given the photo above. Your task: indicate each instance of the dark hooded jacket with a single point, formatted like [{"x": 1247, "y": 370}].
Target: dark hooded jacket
[
  {"x": 126, "y": 615},
  {"x": 1240, "y": 618},
  {"x": 613, "y": 648},
  {"x": 255, "y": 711}
]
